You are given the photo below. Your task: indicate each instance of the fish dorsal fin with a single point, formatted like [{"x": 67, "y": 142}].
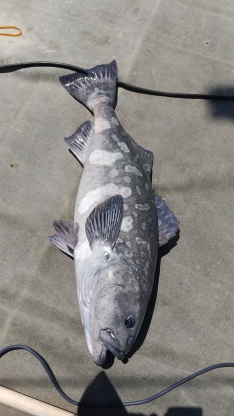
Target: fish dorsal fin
[
  {"x": 104, "y": 222},
  {"x": 147, "y": 156},
  {"x": 66, "y": 236},
  {"x": 79, "y": 141},
  {"x": 168, "y": 225}
]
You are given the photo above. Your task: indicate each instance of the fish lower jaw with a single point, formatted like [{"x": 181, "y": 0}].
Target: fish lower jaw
[
  {"x": 117, "y": 353},
  {"x": 100, "y": 359}
]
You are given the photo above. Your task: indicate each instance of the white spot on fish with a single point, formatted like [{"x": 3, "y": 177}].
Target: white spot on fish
[
  {"x": 143, "y": 225},
  {"x": 146, "y": 267},
  {"x": 143, "y": 207},
  {"x": 138, "y": 190},
  {"x": 127, "y": 254},
  {"x": 127, "y": 179},
  {"x": 119, "y": 240},
  {"x": 123, "y": 147},
  {"x": 101, "y": 125},
  {"x": 125, "y": 192},
  {"x": 132, "y": 169},
  {"x": 101, "y": 193},
  {"x": 128, "y": 244},
  {"x": 140, "y": 241},
  {"x": 146, "y": 167},
  {"x": 113, "y": 173},
  {"x": 83, "y": 251},
  {"x": 126, "y": 224},
  {"x": 114, "y": 121},
  {"x": 94, "y": 100},
  {"x": 104, "y": 158},
  {"x": 115, "y": 137}
]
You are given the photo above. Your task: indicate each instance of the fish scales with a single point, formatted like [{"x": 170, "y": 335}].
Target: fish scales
[{"x": 116, "y": 231}]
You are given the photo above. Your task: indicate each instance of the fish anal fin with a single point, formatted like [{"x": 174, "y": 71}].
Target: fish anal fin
[
  {"x": 66, "y": 236},
  {"x": 104, "y": 222},
  {"x": 79, "y": 141},
  {"x": 168, "y": 225}
]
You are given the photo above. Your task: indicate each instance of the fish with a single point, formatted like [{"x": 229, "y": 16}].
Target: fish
[{"x": 119, "y": 221}]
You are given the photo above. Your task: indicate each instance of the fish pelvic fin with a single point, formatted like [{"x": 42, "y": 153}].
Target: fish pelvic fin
[
  {"x": 168, "y": 225},
  {"x": 104, "y": 222},
  {"x": 66, "y": 236},
  {"x": 78, "y": 142},
  {"x": 98, "y": 82}
]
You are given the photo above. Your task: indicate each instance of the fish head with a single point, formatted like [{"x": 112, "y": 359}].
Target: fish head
[{"x": 116, "y": 313}]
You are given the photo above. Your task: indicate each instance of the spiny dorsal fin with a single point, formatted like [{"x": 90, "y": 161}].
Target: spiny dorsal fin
[
  {"x": 79, "y": 141},
  {"x": 168, "y": 225},
  {"x": 66, "y": 236},
  {"x": 105, "y": 220}
]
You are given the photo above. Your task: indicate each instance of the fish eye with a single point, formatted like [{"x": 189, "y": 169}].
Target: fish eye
[{"x": 130, "y": 321}]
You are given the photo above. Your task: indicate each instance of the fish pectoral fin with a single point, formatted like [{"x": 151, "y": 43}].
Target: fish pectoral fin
[
  {"x": 66, "y": 236},
  {"x": 168, "y": 225},
  {"x": 105, "y": 221},
  {"x": 79, "y": 141}
]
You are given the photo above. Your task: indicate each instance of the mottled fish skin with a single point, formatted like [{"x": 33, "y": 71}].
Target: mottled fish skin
[
  {"x": 114, "y": 166},
  {"x": 114, "y": 277}
]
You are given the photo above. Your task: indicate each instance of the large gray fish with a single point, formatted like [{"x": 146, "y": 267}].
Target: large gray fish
[{"x": 120, "y": 221}]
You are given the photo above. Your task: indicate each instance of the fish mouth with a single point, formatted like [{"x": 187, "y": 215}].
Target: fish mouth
[{"x": 115, "y": 351}]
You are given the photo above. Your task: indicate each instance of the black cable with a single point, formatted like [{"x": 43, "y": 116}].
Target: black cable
[
  {"x": 23, "y": 65},
  {"x": 45, "y": 365},
  {"x": 108, "y": 405},
  {"x": 128, "y": 87}
]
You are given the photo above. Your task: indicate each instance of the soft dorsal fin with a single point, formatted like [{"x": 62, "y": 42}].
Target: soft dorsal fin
[
  {"x": 66, "y": 236},
  {"x": 104, "y": 222},
  {"x": 168, "y": 225},
  {"x": 79, "y": 141},
  {"x": 147, "y": 156}
]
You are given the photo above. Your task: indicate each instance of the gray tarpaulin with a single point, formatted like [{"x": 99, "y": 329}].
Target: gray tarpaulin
[{"x": 179, "y": 46}]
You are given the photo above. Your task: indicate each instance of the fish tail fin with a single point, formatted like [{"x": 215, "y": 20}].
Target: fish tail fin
[{"x": 99, "y": 82}]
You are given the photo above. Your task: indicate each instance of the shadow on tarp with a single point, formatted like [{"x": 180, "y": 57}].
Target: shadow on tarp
[
  {"x": 102, "y": 391},
  {"x": 184, "y": 411},
  {"x": 221, "y": 108}
]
